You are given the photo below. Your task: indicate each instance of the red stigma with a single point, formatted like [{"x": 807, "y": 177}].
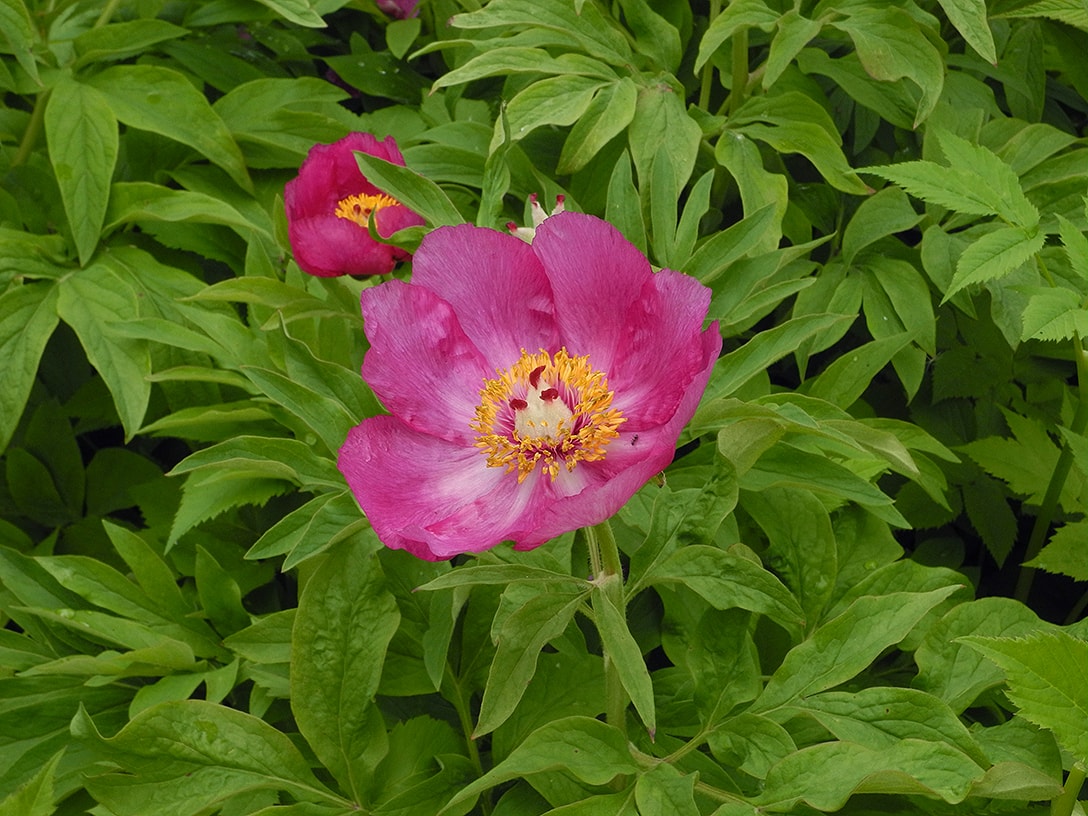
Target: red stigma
[
  {"x": 534, "y": 376},
  {"x": 548, "y": 394},
  {"x": 518, "y": 404}
]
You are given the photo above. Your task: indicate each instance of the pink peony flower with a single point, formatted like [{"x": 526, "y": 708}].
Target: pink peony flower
[
  {"x": 329, "y": 204},
  {"x": 400, "y": 9},
  {"x": 533, "y": 388}
]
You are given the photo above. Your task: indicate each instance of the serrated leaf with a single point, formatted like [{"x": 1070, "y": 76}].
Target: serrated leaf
[
  {"x": 994, "y": 255},
  {"x": 1065, "y": 554},
  {"x": 36, "y": 797},
  {"x": 1047, "y": 674},
  {"x": 28, "y": 316},
  {"x": 995, "y": 175},
  {"x": 83, "y": 142},
  {"x": 1076, "y": 247},
  {"x": 346, "y": 618},
  {"x": 207, "y": 495},
  {"x": 950, "y": 187},
  {"x": 1056, "y": 314}
]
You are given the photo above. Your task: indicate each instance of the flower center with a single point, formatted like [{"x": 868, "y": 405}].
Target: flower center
[
  {"x": 359, "y": 208},
  {"x": 545, "y": 410}
]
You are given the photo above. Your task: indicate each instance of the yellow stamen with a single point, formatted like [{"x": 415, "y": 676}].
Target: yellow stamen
[
  {"x": 359, "y": 208},
  {"x": 546, "y": 410}
]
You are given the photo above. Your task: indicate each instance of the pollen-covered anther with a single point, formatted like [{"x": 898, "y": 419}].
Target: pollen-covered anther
[
  {"x": 547, "y": 410},
  {"x": 359, "y": 208}
]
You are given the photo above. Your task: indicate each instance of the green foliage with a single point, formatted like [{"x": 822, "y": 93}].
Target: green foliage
[{"x": 825, "y": 604}]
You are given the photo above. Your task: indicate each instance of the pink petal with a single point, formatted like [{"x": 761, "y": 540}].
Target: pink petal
[
  {"x": 664, "y": 324},
  {"x": 434, "y": 498},
  {"x": 496, "y": 286},
  {"x": 596, "y": 275},
  {"x": 327, "y": 246},
  {"x": 420, "y": 363}
]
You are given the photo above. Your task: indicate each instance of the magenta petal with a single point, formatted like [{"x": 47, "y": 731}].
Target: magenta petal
[
  {"x": 420, "y": 364},
  {"x": 328, "y": 247},
  {"x": 496, "y": 286},
  {"x": 665, "y": 323},
  {"x": 434, "y": 498},
  {"x": 596, "y": 275}
]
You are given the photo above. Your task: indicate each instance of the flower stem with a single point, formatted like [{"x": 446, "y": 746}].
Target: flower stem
[
  {"x": 604, "y": 555},
  {"x": 1063, "y": 805},
  {"x": 33, "y": 130},
  {"x": 708, "y": 69},
  {"x": 740, "y": 70},
  {"x": 464, "y": 716},
  {"x": 1057, "y": 477}
]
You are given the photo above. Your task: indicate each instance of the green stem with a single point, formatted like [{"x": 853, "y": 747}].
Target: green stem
[
  {"x": 708, "y": 69},
  {"x": 464, "y": 716},
  {"x": 107, "y": 13},
  {"x": 740, "y": 70},
  {"x": 1063, "y": 805},
  {"x": 604, "y": 555},
  {"x": 33, "y": 130},
  {"x": 1057, "y": 479}
]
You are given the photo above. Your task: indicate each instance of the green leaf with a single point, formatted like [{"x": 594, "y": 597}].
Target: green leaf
[
  {"x": 90, "y": 302},
  {"x": 885, "y": 213},
  {"x": 346, "y": 618},
  {"x": 503, "y": 575},
  {"x": 880, "y": 716},
  {"x": 137, "y": 202},
  {"x": 411, "y": 189},
  {"x": 265, "y": 457},
  {"x": 36, "y": 797},
  {"x": 149, "y": 568},
  {"x": 83, "y": 142},
  {"x": 665, "y": 791},
  {"x": 163, "y": 101},
  {"x": 758, "y": 188},
  {"x": 723, "y": 248},
  {"x": 726, "y": 581},
  {"x": 608, "y": 114},
  {"x": 1065, "y": 554},
  {"x": 208, "y": 494},
  {"x": 181, "y": 758},
  {"x": 755, "y": 356},
  {"x": 21, "y": 35},
  {"x": 312, "y": 528},
  {"x": 599, "y": 35},
  {"x": 1048, "y": 681},
  {"x": 844, "y": 381},
  {"x": 326, "y": 417},
  {"x": 802, "y": 544},
  {"x": 735, "y": 16},
  {"x": 844, "y": 646},
  {"x": 1076, "y": 246},
  {"x": 506, "y": 60},
  {"x": 219, "y": 595},
  {"x": 622, "y": 207},
  {"x": 519, "y": 639},
  {"x": 621, "y": 648},
  {"x": 116, "y": 41},
  {"x": 655, "y": 36},
  {"x": 558, "y": 100},
  {"x": 956, "y": 673},
  {"x": 588, "y": 749},
  {"x": 28, "y": 316},
  {"x": 1054, "y": 314},
  {"x": 995, "y": 255},
  {"x": 828, "y": 774},
  {"x": 792, "y": 122},
  {"x": 298, "y": 12},
  {"x": 996, "y": 177},
  {"x": 792, "y": 33},
  {"x": 969, "y": 18},
  {"x": 892, "y": 46}
]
